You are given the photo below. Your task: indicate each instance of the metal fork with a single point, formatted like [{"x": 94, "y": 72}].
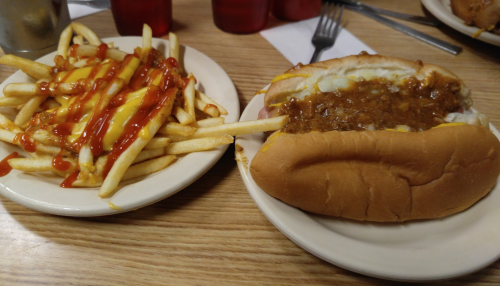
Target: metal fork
[{"x": 325, "y": 34}]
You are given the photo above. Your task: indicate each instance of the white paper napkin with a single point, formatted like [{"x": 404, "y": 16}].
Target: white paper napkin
[
  {"x": 294, "y": 42},
  {"x": 77, "y": 10}
]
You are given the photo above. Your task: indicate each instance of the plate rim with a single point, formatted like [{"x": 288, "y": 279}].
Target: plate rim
[
  {"x": 271, "y": 208},
  {"x": 437, "y": 8},
  {"x": 210, "y": 157}
]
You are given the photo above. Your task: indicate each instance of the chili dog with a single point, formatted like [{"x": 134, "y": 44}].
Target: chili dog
[{"x": 374, "y": 138}]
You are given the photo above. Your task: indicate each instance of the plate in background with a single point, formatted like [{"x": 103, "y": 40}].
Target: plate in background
[{"x": 441, "y": 9}]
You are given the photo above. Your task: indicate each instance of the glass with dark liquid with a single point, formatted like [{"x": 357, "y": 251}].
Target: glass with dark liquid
[
  {"x": 240, "y": 16},
  {"x": 295, "y": 10},
  {"x": 131, "y": 15}
]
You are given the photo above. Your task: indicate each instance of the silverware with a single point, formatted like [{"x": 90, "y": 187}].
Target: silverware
[
  {"x": 99, "y": 4},
  {"x": 407, "y": 17},
  {"x": 412, "y": 32},
  {"x": 325, "y": 34}
]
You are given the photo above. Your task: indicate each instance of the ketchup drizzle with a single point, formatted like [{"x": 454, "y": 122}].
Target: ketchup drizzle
[
  {"x": 101, "y": 51},
  {"x": 138, "y": 79},
  {"x": 98, "y": 124},
  {"x": 156, "y": 99},
  {"x": 151, "y": 104},
  {"x": 67, "y": 75},
  {"x": 44, "y": 88},
  {"x": 25, "y": 140},
  {"x": 68, "y": 182},
  {"x": 73, "y": 49},
  {"x": 5, "y": 168},
  {"x": 59, "y": 164},
  {"x": 75, "y": 110},
  {"x": 63, "y": 130}
]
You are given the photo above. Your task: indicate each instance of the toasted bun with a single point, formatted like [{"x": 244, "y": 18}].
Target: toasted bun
[
  {"x": 383, "y": 176},
  {"x": 483, "y": 14},
  {"x": 337, "y": 73}
]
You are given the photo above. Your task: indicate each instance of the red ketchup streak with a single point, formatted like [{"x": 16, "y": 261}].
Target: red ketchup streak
[
  {"x": 152, "y": 76},
  {"x": 95, "y": 70},
  {"x": 152, "y": 103},
  {"x": 26, "y": 142},
  {"x": 76, "y": 109},
  {"x": 151, "y": 57},
  {"x": 59, "y": 164},
  {"x": 44, "y": 88},
  {"x": 63, "y": 130},
  {"x": 73, "y": 49},
  {"x": 68, "y": 182},
  {"x": 172, "y": 62},
  {"x": 110, "y": 72},
  {"x": 67, "y": 75},
  {"x": 101, "y": 51},
  {"x": 5, "y": 168},
  {"x": 101, "y": 126},
  {"x": 98, "y": 124},
  {"x": 140, "y": 76},
  {"x": 167, "y": 80}
]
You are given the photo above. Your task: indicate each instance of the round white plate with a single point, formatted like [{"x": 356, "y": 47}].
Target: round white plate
[
  {"x": 441, "y": 9},
  {"x": 41, "y": 191},
  {"x": 412, "y": 251}
]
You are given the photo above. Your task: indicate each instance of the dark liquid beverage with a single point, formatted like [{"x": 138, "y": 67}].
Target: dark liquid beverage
[
  {"x": 131, "y": 15},
  {"x": 240, "y": 16},
  {"x": 295, "y": 10}
]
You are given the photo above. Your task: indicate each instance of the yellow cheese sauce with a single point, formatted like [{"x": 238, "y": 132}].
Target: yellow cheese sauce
[
  {"x": 114, "y": 207},
  {"x": 287, "y": 76}
]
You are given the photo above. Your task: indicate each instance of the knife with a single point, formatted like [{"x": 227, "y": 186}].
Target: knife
[
  {"x": 407, "y": 17},
  {"x": 409, "y": 31},
  {"x": 98, "y": 4}
]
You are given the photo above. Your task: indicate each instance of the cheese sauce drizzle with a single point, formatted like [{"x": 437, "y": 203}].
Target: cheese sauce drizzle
[{"x": 150, "y": 88}]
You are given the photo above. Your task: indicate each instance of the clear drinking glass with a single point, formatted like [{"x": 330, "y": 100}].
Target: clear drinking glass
[{"x": 31, "y": 28}]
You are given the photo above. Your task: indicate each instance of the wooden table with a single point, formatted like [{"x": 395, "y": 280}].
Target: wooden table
[{"x": 212, "y": 233}]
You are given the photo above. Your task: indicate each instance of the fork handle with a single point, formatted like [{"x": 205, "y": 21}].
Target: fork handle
[{"x": 315, "y": 55}]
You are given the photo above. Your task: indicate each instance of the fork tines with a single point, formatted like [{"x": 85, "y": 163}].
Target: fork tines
[{"x": 326, "y": 32}]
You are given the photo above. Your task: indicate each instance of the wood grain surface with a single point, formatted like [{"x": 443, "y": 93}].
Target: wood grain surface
[{"x": 212, "y": 233}]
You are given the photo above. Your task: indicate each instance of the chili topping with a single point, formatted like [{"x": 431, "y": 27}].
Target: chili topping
[{"x": 375, "y": 104}]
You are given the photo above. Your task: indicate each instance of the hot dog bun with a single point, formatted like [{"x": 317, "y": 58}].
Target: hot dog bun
[
  {"x": 483, "y": 14},
  {"x": 326, "y": 76},
  {"x": 381, "y": 175}
]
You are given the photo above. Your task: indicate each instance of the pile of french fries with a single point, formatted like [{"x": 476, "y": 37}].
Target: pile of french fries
[{"x": 100, "y": 116}]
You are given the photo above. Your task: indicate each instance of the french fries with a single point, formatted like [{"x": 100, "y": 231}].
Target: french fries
[
  {"x": 100, "y": 116},
  {"x": 64, "y": 41},
  {"x": 29, "y": 67}
]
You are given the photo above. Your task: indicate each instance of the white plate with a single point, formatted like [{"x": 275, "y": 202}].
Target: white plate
[
  {"x": 42, "y": 192},
  {"x": 441, "y": 9},
  {"x": 412, "y": 251}
]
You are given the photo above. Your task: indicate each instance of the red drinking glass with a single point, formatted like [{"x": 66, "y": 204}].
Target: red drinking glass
[
  {"x": 240, "y": 16},
  {"x": 130, "y": 16},
  {"x": 295, "y": 10}
]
